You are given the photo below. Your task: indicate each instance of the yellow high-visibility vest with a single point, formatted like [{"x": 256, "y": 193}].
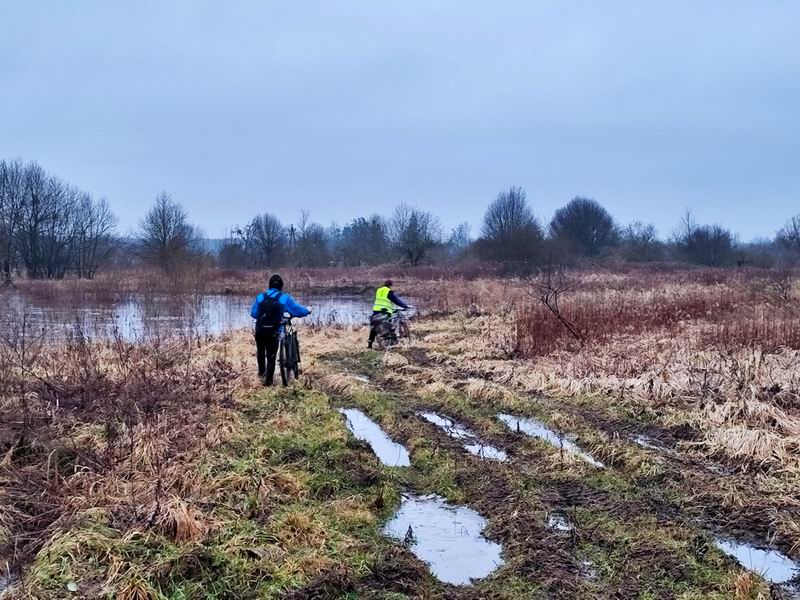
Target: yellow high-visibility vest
[{"x": 382, "y": 302}]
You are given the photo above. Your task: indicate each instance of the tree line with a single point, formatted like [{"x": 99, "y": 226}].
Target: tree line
[{"x": 49, "y": 229}]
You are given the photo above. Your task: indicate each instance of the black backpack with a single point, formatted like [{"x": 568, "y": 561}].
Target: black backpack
[{"x": 270, "y": 312}]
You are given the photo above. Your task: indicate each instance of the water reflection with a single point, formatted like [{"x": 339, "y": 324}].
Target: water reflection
[
  {"x": 472, "y": 444},
  {"x": 770, "y": 564},
  {"x": 447, "y": 538},
  {"x": 534, "y": 428},
  {"x": 388, "y": 452},
  {"x": 559, "y": 523},
  {"x": 650, "y": 443},
  {"x": 142, "y": 317}
]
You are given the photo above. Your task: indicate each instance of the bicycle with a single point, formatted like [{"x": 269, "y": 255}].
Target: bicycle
[
  {"x": 394, "y": 329},
  {"x": 288, "y": 351}
]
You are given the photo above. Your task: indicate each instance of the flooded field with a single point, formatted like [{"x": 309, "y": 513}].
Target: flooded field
[
  {"x": 140, "y": 317},
  {"x": 447, "y": 538}
]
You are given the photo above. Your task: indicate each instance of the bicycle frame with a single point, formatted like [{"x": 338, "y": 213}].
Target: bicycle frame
[
  {"x": 396, "y": 320},
  {"x": 393, "y": 327},
  {"x": 288, "y": 351},
  {"x": 286, "y": 327}
]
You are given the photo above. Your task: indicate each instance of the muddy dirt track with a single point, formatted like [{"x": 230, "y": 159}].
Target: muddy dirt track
[{"x": 645, "y": 524}]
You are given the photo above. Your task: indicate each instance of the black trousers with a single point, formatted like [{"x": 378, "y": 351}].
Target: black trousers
[{"x": 266, "y": 351}]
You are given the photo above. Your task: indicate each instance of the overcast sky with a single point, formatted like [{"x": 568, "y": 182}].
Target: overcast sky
[{"x": 348, "y": 108}]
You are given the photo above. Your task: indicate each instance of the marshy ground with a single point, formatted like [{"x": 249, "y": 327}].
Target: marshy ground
[{"x": 162, "y": 470}]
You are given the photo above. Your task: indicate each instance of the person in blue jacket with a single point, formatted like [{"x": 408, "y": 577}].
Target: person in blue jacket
[{"x": 268, "y": 310}]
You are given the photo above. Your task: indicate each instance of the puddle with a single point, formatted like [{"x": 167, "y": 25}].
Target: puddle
[
  {"x": 770, "y": 564},
  {"x": 718, "y": 469},
  {"x": 536, "y": 429},
  {"x": 588, "y": 570},
  {"x": 447, "y": 538},
  {"x": 489, "y": 452},
  {"x": 388, "y": 452},
  {"x": 458, "y": 432},
  {"x": 6, "y": 581},
  {"x": 645, "y": 441},
  {"x": 559, "y": 523}
]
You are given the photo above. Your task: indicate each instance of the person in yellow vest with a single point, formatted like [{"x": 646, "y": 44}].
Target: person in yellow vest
[{"x": 386, "y": 302}]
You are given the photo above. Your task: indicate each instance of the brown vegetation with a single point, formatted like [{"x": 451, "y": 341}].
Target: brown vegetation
[
  {"x": 108, "y": 426},
  {"x": 102, "y": 439}
]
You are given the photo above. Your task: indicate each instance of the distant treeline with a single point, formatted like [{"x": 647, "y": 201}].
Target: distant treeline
[{"x": 49, "y": 229}]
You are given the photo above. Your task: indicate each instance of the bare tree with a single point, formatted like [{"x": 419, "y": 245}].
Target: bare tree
[
  {"x": 45, "y": 233},
  {"x": 11, "y": 208},
  {"x": 364, "y": 241},
  {"x": 789, "y": 235},
  {"x": 583, "y": 226},
  {"x": 266, "y": 240},
  {"x": 413, "y": 233},
  {"x": 166, "y": 238},
  {"x": 233, "y": 252},
  {"x": 47, "y": 226},
  {"x": 311, "y": 245},
  {"x": 779, "y": 285},
  {"x": 709, "y": 245},
  {"x": 92, "y": 240},
  {"x": 458, "y": 242},
  {"x": 548, "y": 287},
  {"x": 640, "y": 242},
  {"x": 510, "y": 232}
]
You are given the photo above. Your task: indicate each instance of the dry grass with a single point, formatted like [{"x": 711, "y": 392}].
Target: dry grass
[
  {"x": 482, "y": 390},
  {"x": 748, "y": 586},
  {"x": 182, "y": 523},
  {"x": 393, "y": 360},
  {"x": 709, "y": 350},
  {"x": 339, "y": 384},
  {"x": 436, "y": 389},
  {"x": 725, "y": 314},
  {"x": 111, "y": 425}
]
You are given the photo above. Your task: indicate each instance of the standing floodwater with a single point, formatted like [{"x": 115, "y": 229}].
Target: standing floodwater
[
  {"x": 388, "y": 452},
  {"x": 140, "y": 317},
  {"x": 446, "y": 537}
]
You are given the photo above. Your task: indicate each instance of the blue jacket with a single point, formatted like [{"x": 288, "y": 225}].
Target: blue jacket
[{"x": 289, "y": 304}]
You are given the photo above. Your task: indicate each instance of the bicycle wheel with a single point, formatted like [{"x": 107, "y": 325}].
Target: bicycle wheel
[
  {"x": 404, "y": 331},
  {"x": 296, "y": 355},
  {"x": 283, "y": 362},
  {"x": 378, "y": 343}
]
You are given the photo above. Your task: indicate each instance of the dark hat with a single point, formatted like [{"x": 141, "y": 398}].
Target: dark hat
[{"x": 276, "y": 281}]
